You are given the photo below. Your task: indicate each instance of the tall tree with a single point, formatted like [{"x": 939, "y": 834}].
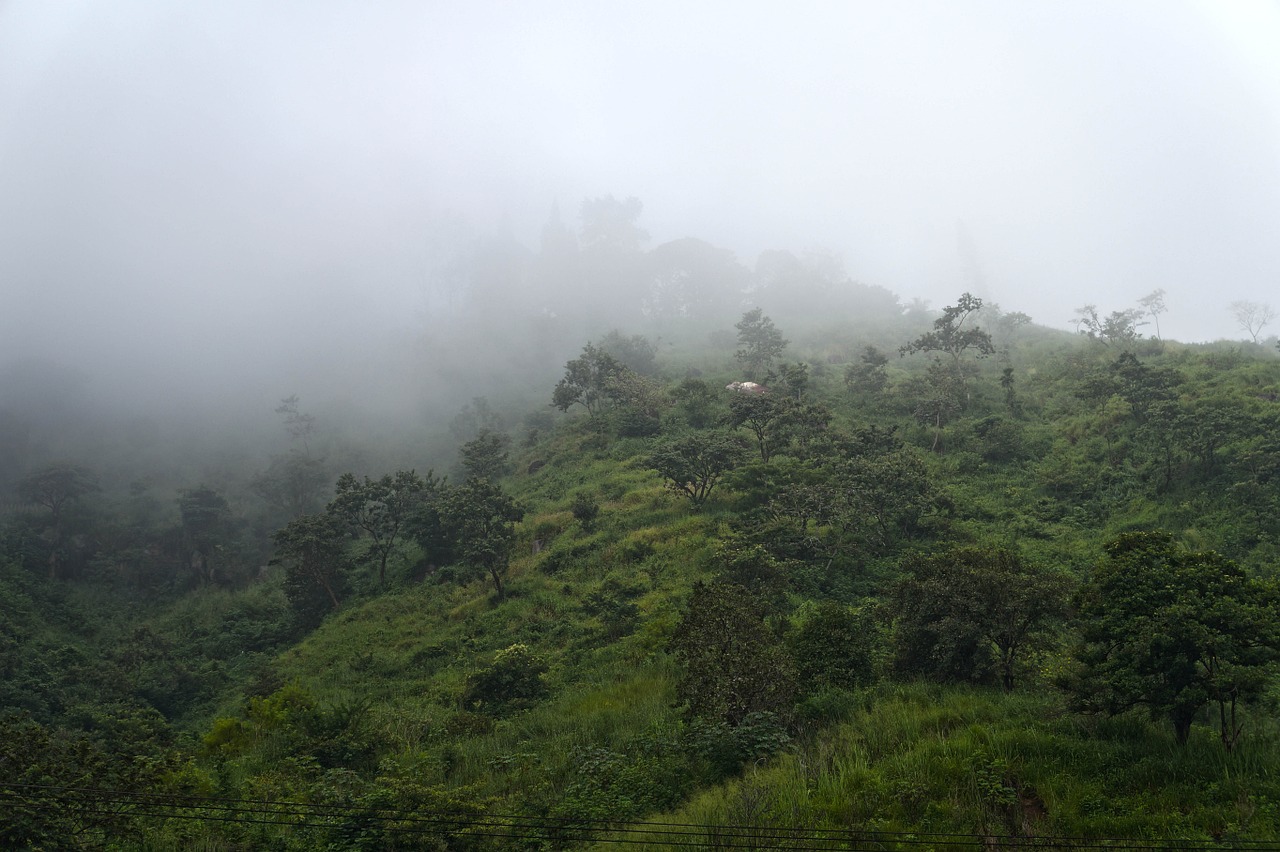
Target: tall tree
[
  {"x": 586, "y": 381},
  {"x": 759, "y": 343},
  {"x": 57, "y": 487},
  {"x": 693, "y": 464},
  {"x": 313, "y": 548},
  {"x": 485, "y": 455},
  {"x": 381, "y": 508},
  {"x": 959, "y": 613},
  {"x": 733, "y": 664},
  {"x": 1172, "y": 629},
  {"x": 951, "y": 336},
  {"x": 1153, "y": 304},
  {"x": 1119, "y": 328},
  {"x": 481, "y": 520},
  {"x": 1252, "y": 317},
  {"x": 206, "y": 529}
]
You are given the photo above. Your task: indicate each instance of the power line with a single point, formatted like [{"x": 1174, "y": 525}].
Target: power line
[{"x": 514, "y": 826}]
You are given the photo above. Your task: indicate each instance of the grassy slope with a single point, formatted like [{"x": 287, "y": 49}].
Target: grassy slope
[{"x": 896, "y": 758}]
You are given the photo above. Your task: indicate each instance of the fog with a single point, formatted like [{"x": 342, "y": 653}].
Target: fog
[{"x": 235, "y": 200}]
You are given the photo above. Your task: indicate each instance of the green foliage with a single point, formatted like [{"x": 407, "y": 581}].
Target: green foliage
[
  {"x": 759, "y": 343},
  {"x": 585, "y": 509},
  {"x": 513, "y": 681},
  {"x": 635, "y": 352},
  {"x": 835, "y": 646},
  {"x": 586, "y": 381},
  {"x": 1173, "y": 630},
  {"x": 733, "y": 665},
  {"x": 868, "y": 376},
  {"x": 769, "y": 417},
  {"x": 485, "y": 456},
  {"x": 693, "y": 464},
  {"x": 383, "y": 508},
  {"x": 58, "y": 488},
  {"x": 480, "y": 519},
  {"x": 1119, "y": 328},
  {"x": 971, "y": 612},
  {"x": 949, "y": 334},
  {"x": 313, "y": 550}
]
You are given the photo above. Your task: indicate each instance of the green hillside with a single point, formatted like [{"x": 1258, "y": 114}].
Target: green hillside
[{"x": 950, "y": 578}]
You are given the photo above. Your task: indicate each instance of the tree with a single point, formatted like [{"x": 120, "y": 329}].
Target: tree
[
  {"x": 693, "y": 464},
  {"x": 485, "y": 456},
  {"x": 381, "y": 508},
  {"x": 1172, "y": 630},
  {"x": 57, "y": 487},
  {"x": 512, "y": 682},
  {"x": 1153, "y": 305},
  {"x": 939, "y": 398},
  {"x": 293, "y": 483},
  {"x": 314, "y": 550},
  {"x": 608, "y": 223},
  {"x": 637, "y": 353},
  {"x": 586, "y": 381},
  {"x": 759, "y": 343},
  {"x": 300, "y": 425},
  {"x": 793, "y": 380},
  {"x": 768, "y": 416},
  {"x": 206, "y": 528},
  {"x": 867, "y": 376},
  {"x": 961, "y": 613},
  {"x": 834, "y": 647},
  {"x": 1118, "y": 328},
  {"x": 481, "y": 520},
  {"x": 697, "y": 402},
  {"x": 733, "y": 664},
  {"x": 950, "y": 336},
  {"x": 1252, "y": 316}
]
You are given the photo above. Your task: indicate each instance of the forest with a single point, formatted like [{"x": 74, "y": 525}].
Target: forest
[{"x": 659, "y": 550}]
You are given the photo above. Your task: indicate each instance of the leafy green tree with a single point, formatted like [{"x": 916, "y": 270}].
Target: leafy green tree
[
  {"x": 860, "y": 501},
  {"x": 834, "y": 647},
  {"x": 733, "y": 665},
  {"x": 637, "y": 353},
  {"x": 485, "y": 456},
  {"x": 294, "y": 483},
  {"x": 939, "y": 397},
  {"x": 868, "y": 375},
  {"x": 585, "y": 509},
  {"x": 313, "y": 548},
  {"x": 696, "y": 401},
  {"x": 513, "y": 681},
  {"x": 769, "y": 417},
  {"x": 1119, "y": 328},
  {"x": 481, "y": 520},
  {"x": 381, "y": 508},
  {"x": 950, "y": 336},
  {"x": 694, "y": 464},
  {"x": 793, "y": 380},
  {"x": 57, "y": 487},
  {"x": 639, "y": 402},
  {"x": 206, "y": 530},
  {"x": 586, "y": 381},
  {"x": 759, "y": 343},
  {"x": 1173, "y": 630},
  {"x": 960, "y": 613}
]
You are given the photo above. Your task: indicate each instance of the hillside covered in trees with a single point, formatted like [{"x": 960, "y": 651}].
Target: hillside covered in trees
[{"x": 757, "y": 557}]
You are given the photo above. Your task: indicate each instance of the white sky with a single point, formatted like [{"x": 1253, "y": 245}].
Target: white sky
[{"x": 176, "y": 178}]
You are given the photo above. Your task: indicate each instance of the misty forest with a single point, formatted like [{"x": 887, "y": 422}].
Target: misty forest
[{"x": 577, "y": 530}]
